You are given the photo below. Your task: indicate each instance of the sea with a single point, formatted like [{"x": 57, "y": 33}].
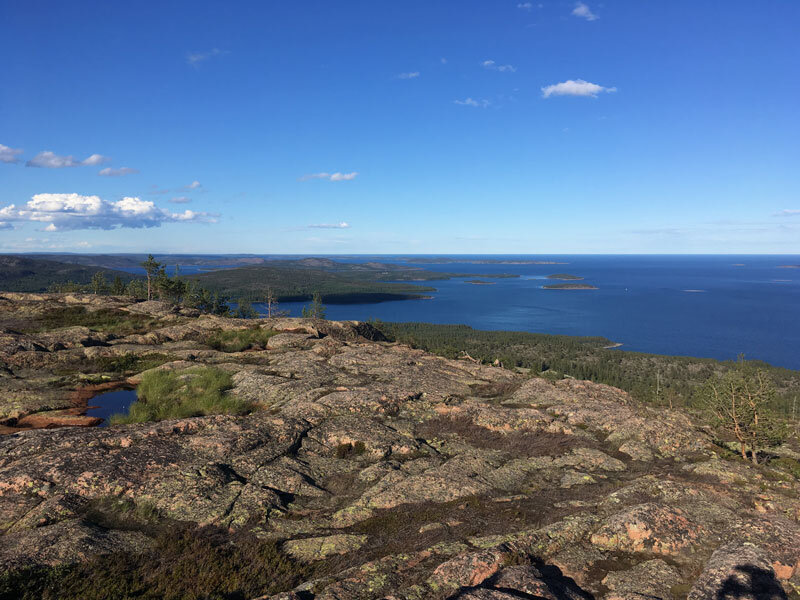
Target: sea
[{"x": 715, "y": 306}]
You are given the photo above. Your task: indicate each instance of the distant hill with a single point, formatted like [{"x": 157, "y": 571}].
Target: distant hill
[{"x": 23, "y": 274}]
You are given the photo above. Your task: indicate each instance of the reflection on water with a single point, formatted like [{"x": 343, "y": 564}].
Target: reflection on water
[{"x": 111, "y": 403}]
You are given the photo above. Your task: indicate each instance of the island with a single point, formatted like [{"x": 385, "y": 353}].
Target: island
[
  {"x": 569, "y": 286},
  {"x": 479, "y": 282},
  {"x": 565, "y": 277}
]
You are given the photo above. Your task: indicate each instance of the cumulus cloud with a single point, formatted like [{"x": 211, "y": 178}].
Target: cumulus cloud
[
  {"x": 331, "y": 176},
  {"x": 109, "y": 172},
  {"x": 493, "y": 66},
  {"x": 50, "y": 160},
  {"x": 582, "y": 10},
  {"x": 788, "y": 212},
  {"x": 342, "y": 225},
  {"x": 472, "y": 102},
  {"x": 9, "y": 155},
  {"x": 195, "y": 185},
  {"x": 525, "y": 6},
  {"x": 576, "y": 87},
  {"x": 74, "y": 211},
  {"x": 181, "y": 200},
  {"x": 195, "y": 58},
  {"x": 411, "y": 75}
]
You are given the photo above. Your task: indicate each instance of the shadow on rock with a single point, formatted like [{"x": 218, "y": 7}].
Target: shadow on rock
[
  {"x": 751, "y": 583},
  {"x": 533, "y": 582}
]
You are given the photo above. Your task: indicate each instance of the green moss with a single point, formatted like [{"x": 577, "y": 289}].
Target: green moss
[
  {"x": 239, "y": 340},
  {"x": 179, "y": 394}
]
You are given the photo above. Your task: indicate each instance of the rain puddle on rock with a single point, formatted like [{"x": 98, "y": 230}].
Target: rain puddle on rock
[{"x": 110, "y": 403}]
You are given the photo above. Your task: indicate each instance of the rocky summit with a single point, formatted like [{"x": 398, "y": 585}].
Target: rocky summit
[{"x": 368, "y": 469}]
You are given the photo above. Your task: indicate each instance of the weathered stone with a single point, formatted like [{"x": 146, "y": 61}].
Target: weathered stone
[{"x": 739, "y": 571}]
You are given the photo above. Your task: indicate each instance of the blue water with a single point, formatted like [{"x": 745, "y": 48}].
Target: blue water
[
  {"x": 642, "y": 302},
  {"x": 111, "y": 403}
]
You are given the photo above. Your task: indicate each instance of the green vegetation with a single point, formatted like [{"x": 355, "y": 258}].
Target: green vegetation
[
  {"x": 184, "y": 563},
  {"x": 21, "y": 274},
  {"x": 106, "y": 320},
  {"x": 179, "y": 394},
  {"x": 564, "y": 277},
  {"x": 739, "y": 404},
  {"x": 239, "y": 340},
  {"x": 337, "y": 283},
  {"x": 315, "y": 310},
  {"x": 662, "y": 380},
  {"x": 132, "y": 363}
]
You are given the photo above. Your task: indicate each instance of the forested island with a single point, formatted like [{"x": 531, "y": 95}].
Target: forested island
[{"x": 565, "y": 277}]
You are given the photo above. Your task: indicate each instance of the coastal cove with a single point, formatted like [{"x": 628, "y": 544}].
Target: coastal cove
[{"x": 704, "y": 305}]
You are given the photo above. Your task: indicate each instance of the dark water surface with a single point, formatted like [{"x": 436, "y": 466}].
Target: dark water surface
[{"x": 111, "y": 403}]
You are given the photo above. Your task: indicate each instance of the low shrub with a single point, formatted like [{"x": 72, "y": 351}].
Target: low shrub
[
  {"x": 183, "y": 563},
  {"x": 106, "y": 320},
  {"x": 179, "y": 394},
  {"x": 239, "y": 340},
  {"x": 131, "y": 363},
  {"x": 790, "y": 465}
]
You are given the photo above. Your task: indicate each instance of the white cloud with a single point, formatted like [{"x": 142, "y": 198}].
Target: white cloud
[
  {"x": 9, "y": 155},
  {"x": 195, "y": 58},
  {"x": 788, "y": 212},
  {"x": 94, "y": 160},
  {"x": 473, "y": 102},
  {"x": 411, "y": 75},
  {"x": 109, "y": 172},
  {"x": 74, "y": 211},
  {"x": 342, "y": 225},
  {"x": 331, "y": 176},
  {"x": 181, "y": 200},
  {"x": 443, "y": 60},
  {"x": 493, "y": 66},
  {"x": 195, "y": 185},
  {"x": 50, "y": 160},
  {"x": 582, "y": 10},
  {"x": 577, "y": 87},
  {"x": 525, "y": 6}
]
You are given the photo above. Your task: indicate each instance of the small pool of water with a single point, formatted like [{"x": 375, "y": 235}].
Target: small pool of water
[{"x": 111, "y": 403}]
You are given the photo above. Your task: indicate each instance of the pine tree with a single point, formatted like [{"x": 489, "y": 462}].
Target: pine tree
[
  {"x": 315, "y": 310},
  {"x": 151, "y": 268},
  {"x": 98, "y": 283}
]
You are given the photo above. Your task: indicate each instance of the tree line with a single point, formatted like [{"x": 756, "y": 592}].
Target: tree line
[{"x": 158, "y": 285}]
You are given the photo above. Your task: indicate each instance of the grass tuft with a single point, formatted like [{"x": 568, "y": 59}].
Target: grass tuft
[
  {"x": 180, "y": 394},
  {"x": 239, "y": 340}
]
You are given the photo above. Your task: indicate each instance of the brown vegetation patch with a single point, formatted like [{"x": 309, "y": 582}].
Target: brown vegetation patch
[{"x": 517, "y": 443}]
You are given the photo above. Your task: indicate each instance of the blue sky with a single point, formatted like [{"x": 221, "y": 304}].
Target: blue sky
[{"x": 477, "y": 126}]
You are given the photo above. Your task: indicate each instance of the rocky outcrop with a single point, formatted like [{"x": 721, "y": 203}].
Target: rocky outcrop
[{"x": 389, "y": 472}]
